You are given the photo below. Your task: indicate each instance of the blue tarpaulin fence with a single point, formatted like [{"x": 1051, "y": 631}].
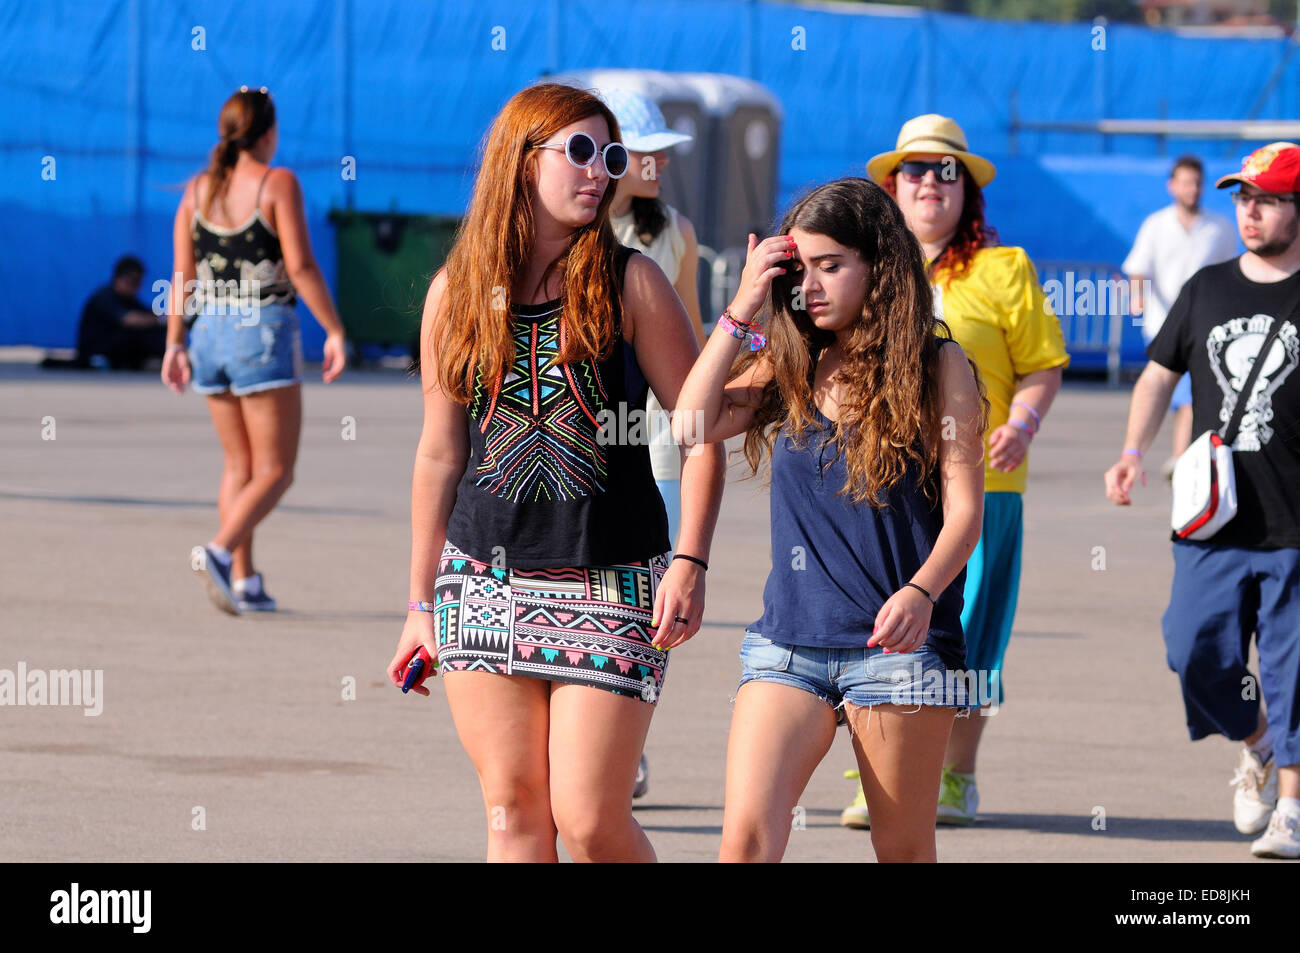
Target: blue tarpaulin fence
[{"x": 109, "y": 106}]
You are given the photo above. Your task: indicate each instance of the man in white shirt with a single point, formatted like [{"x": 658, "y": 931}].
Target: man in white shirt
[{"x": 1172, "y": 245}]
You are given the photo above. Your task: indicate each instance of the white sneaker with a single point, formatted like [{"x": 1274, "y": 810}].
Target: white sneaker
[
  {"x": 1282, "y": 839},
  {"x": 1256, "y": 794}
]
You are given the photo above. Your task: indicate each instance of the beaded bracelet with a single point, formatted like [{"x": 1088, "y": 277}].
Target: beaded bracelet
[
  {"x": 1023, "y": 426},
  {"x": 742, "y": 333},
  {"x": 414, "y": 606},
  {"x": 1133, "y": 450}
]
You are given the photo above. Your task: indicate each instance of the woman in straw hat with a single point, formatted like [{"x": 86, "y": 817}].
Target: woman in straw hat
[{"x": 989, "y": 295}]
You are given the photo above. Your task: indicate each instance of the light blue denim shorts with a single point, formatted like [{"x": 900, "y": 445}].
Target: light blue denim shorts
[
  {"x": 859, "y": 676},
  {"x": 245, "y": 353}
]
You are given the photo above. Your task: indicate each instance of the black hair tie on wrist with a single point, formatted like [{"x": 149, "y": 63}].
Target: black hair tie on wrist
[
  {"x": 693, "y": 559},
  {"x": 932, "y": 599}
]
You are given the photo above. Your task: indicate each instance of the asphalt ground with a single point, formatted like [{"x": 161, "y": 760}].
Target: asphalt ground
[{"x": 231, "y": 739}]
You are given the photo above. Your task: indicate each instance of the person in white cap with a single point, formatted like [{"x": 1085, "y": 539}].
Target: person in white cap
[
  {"x": 990, "y": 298},
  {"x": 642, "y": 220}
]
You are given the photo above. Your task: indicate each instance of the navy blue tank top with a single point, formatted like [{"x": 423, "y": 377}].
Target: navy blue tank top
[
  {"x": 559, "y": 471},
  {"x": 835, "y": 562}
]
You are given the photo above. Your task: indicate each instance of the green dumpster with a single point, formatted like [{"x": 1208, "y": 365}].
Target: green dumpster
[{"x": 385, "y": 262}]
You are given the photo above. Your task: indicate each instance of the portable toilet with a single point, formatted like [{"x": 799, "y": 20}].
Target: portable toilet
[{"x": 745, "y": 138}]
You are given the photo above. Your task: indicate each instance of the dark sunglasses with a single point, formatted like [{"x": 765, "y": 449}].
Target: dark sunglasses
[
  {"x": 945, "y": 170},
  {"x": 580, "y": 149}
]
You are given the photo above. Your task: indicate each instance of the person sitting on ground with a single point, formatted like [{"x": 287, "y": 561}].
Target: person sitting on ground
[{"x": 116, "y": 325}]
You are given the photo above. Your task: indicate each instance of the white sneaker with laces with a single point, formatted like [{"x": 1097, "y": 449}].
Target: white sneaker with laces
[
  {"x": 1282, "y": 839},
  {"x": 1256, "y": 794}
]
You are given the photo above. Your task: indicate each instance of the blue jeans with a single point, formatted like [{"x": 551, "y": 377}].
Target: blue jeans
[
  {"x": 859, "y": 676},
  {"x": 1221, "y": 595},
  {"x": 244, "y": 354},
  {"x": 671, "y": 491}
]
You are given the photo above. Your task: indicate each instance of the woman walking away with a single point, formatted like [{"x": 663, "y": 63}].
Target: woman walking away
[
  {"x": 540, "y": 574},
  {"x": 643, "y": 221},
  {"x": 242, "y": 249},
  {"x": 988, "y": 294},
  {"x": 872, "y": 417}
]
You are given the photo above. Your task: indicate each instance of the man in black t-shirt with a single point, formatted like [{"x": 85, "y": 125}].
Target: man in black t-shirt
[
  {"x": 116, "y": 325},
  {"x": 1245, "y": 579}
]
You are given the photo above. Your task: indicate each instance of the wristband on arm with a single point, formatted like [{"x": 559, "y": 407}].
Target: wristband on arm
[
  {"x": 1038, "y": 421},
  {"x": 923, "y": 592}
]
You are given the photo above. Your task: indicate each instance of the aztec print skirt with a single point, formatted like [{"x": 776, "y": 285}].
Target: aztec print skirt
[{"x": 586, "y": 625}]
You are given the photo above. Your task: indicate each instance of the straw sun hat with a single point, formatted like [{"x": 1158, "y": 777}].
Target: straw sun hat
[{"x": 936, "y": 134}]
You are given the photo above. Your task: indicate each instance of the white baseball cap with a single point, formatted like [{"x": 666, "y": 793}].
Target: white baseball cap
[{"x": 641, "y": 122}]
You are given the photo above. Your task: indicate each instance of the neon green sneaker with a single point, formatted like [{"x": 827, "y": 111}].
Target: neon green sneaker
[
  {"x": 958, "y": 798},
  {"x": 855, "y": 815}
]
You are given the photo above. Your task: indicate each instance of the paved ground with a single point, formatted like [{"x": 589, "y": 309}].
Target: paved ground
[{"x": 241, "y": 722}]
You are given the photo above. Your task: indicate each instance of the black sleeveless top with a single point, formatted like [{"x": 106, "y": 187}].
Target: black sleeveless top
[
  {"x": 241, "y": 266},
  {"x": 559, "y": 472}
]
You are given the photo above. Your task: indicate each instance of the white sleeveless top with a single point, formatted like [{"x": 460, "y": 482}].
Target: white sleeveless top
[{"x": 666, "y": 251}]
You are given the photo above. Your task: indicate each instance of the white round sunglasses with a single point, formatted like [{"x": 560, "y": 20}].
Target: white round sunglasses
[{"x": 580, "y": 149}]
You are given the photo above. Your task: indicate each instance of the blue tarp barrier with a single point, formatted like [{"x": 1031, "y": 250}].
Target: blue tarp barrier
[{"x": 121, "y": 96}]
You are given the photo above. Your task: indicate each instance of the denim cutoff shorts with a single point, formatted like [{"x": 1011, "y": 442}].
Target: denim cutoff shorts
[
  {"x": 245, "y": 353},
  {"x": 860, "y": 676}
]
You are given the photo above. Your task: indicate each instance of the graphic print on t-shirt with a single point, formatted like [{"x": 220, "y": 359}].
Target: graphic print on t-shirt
[
  {"x": 541, "y": 429},
  {"x": 1232, "y": 348}
]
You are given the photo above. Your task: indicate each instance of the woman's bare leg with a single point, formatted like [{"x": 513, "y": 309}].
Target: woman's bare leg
[
  {"x": 503, "y": 723},
  {"x": 900, "y": 756},
  {"x": 236, "y": 470},
  {"x": 596, "y": 742},
  {"x": 273, "y": 419},
  {"x": 779, "y": 734}
]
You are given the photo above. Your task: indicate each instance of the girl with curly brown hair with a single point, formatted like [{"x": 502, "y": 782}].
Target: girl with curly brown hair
[{"x": 871, "y": 418}]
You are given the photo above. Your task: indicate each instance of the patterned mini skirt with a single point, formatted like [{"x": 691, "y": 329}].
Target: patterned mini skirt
[{"x": 585, "y": 625}]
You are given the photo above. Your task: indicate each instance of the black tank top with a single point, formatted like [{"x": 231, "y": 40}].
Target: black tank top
[
  {"x": 242, "y": 266},
  {"x": 544, "y": 487}
]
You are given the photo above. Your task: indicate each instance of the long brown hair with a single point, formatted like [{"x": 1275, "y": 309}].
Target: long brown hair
[
  {"x": 889, "y": 411},
  {"x": 495, "y": 242},
  {"x": 973, "y": 232},
  {"x": 245, "y": 118}
]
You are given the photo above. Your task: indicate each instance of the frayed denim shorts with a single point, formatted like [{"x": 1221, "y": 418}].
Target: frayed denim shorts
[
  {"x": 246, "y": 353},
  {"x": 859, "y": 676}
]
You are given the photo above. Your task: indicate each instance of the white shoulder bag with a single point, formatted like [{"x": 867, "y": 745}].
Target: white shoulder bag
[{"x": 1205, "y": 484}]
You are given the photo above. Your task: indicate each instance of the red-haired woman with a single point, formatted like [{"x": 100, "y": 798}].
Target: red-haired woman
[
  {"x": 541, "y": 577},
  {"x": 871, "y": 418},
  {"x": 988, "y": 295},
  {"x": 241, "y": 247}
]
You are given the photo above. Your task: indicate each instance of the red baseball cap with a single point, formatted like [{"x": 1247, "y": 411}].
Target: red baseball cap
[{"x": 1273, "y": 168}]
